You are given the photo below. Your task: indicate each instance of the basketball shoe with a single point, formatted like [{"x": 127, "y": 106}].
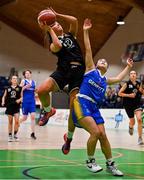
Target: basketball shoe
[
  {"x": 111, "y": 168},
  {"x": 44, "y": 119},
  {"x": 33, "y": 136},
  {"x": 140, "y": 141},
  {"x": 16, "y": 138},
  {"x": 92, "y": 166},
  {"x": 10, "y": 138},
  {"x": 66, "y": 146}
]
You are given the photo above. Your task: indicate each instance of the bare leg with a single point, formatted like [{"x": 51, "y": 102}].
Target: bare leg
[
  {"x": 131, "y": 122},
  {"x": 10, "y": 124},
  {"x": 105, "y": 145},
  {"x": 44, "y": 89},
  {"x": 106, "y": 149},
  {"x": 16, "y": 125},
  {"x": 71, "y": 126},
  {"x": 24, "y": 118},
  {"x": 32, "y": 115},
  {"x": 138, "y": 114},
  {"x": 90, "y": 126},
  {"x": 68, "y": 137}
]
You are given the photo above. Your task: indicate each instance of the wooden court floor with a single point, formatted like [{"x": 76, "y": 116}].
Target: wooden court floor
[{"x": 43, "y": 159}]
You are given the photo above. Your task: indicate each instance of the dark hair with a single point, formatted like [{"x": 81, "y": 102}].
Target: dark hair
[
  {"x": 26, "y": 71},
  {"x": 133, "y": 71},
  {"x": 10, "y": 79}
]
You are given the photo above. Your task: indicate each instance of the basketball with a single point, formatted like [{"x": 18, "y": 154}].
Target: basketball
[{"x": 47, "y": 16}]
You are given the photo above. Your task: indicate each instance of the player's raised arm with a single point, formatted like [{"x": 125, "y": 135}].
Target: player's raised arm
[
  {"x": 88, "y": 52},
  {"x": 122, "y": 74},
  {"x": 70, "y": 19}
]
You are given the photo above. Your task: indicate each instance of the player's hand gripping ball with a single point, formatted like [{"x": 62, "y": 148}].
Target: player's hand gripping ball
[{"x": 47, "y": 16}]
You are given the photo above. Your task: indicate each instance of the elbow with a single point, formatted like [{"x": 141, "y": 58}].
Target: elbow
[
  {"x": 57, "y": 47},
  {"x": 118, "y": 79},
  {"x": 75, "y": 19}
]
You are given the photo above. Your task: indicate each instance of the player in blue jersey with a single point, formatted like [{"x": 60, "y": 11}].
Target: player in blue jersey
[
  {"x": 28, "y": 100},
  {"x": 70, "y": 66},
  {"x": 86, "y": 112}
]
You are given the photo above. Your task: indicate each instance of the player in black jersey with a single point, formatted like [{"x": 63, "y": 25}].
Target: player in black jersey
[
  {"x": 131, "y": 92},
  {"x": 70, "y": 67},
  {"x": 12, "y": 100}
]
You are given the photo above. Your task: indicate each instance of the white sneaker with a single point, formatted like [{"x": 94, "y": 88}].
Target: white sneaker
[
  {"x": 16, "y": 138},
  {"x": 111, "y": 168},
  {"x": 10, "y": 138},
  {"x": 140, "y": 141},
  {"x": 92, "y": 166}
]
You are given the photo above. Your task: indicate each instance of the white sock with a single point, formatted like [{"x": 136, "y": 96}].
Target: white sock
[{"x": 109, "y": 161}]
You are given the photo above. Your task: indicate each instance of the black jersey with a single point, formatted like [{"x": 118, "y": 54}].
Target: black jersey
[
  {"x": 70, "y": 51},
  {"x": 132, "y": 88},
  {"x": 12, "y": 95}
]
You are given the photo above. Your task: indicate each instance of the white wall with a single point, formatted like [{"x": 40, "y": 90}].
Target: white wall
[
  {"x": 16, "y": 50},
  {"x": 131, "y": 32}
]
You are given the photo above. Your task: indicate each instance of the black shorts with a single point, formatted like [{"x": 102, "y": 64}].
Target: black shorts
[
  {"x": 130, "y": 109},
  {"x": 12, "y": 109},
  {"x": 72, "y": 76}
]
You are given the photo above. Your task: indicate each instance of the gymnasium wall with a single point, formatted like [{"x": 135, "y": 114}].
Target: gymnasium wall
[
  {"x": 16, "y": 50},
  {"x": 131, "y": 32}
]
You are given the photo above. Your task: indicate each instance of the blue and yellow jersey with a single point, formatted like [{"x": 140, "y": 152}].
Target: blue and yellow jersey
[{"x": 94, "y": 85}]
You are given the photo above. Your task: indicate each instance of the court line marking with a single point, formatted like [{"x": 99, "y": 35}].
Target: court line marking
[
  {"x": 34, "y": 154},
  {"x": 71, "y": 165},
  {"x": 26, "y": 171}
]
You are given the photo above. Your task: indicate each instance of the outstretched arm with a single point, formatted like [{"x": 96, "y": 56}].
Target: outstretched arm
[
  {"x": 71, "y": 20},
  {"x": 123, "y": 94},
  {"x": 4, "y": 98},
  {"x": 88, "y": 54},
  {"x": 122, "y": 74},
  {"x": 141, "y": 89}
]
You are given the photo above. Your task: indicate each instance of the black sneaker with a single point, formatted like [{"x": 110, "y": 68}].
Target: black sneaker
[
  {"x": 33, "y": 136},
  {"x": 16, "y": 138}
]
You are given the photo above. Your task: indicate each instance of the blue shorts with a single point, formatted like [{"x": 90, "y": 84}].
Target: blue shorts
[
  {"x": 28, "y": 108},
  {"x": 84, "y": 108}
]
